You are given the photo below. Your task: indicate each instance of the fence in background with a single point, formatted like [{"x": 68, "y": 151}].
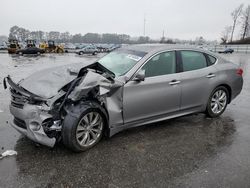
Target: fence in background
[{"x": 243, "y": 48}]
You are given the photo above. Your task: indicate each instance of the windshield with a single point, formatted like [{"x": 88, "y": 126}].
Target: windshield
[{"x": 121, "y": 61}]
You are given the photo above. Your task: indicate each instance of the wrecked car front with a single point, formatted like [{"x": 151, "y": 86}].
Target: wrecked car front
[{"x": 40, "y": 102}]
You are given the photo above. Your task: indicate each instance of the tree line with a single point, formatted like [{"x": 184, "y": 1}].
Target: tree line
[
  {"x": 23, "y": 34},
  {"x": 240, "y": 18}
]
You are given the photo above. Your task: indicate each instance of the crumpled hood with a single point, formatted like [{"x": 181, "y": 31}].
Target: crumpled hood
[{"x": 48, "y": 82}]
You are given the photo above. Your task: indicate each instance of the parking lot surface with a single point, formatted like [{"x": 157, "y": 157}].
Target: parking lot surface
[{"x": 191, "y": 151}]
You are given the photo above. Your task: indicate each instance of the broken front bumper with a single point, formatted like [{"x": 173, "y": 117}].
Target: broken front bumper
[
  {"x": 29, "y": 121},
  {"x": 28, "y": 118}
]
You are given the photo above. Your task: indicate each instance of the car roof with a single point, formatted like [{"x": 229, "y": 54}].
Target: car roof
[
  {"x": 159, "y": 47},
  {"x": 154, "y": 48}
]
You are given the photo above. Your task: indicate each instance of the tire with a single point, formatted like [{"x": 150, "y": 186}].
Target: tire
[
  {"x": 80, "y": 53},
  {"x": 59, "y": 51},
  {"x": 38, "y": 53},
  {"x": 75, "y": 124},
  {"x": 217, "y": 102},
  {"x": 20, "y": 53},
  {"x": 94, "y": 53}
]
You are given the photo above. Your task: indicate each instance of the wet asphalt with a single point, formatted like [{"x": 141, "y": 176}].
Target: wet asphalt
[{"x": 191, "y": 151}]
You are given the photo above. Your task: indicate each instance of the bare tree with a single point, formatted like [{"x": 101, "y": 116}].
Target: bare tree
[
  {"x": 245, "y": 22},
  {"x": 235, "y": 15},
  {"x": 225, "y": 34}
]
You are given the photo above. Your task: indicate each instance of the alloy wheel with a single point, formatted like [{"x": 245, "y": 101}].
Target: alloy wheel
[
  {"x": 89, "y": 129},
  {"x": 218, "y": 101}
]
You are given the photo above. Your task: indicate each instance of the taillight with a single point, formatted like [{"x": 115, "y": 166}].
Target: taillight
[{"x": 239, "y": 71}]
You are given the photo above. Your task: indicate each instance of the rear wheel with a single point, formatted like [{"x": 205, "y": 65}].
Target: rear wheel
[
  {"x": 80, "y": 53},
  {"x": 83, "y": 128},
  {"x": 217, "y": 102},
  {"x": 20, "y": 53}
]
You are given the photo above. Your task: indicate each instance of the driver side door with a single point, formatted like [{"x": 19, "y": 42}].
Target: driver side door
[{"x": 159, "y": 94}]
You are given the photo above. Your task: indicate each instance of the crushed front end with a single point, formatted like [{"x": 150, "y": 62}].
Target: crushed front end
[
  {"x": 32, "y": 115},
  {"x": 41, "y": 118}
]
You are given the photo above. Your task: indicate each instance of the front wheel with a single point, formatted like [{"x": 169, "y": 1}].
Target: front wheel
[
  {"x": 217, "y": 102},
  {"x": 83, "y": 127}
]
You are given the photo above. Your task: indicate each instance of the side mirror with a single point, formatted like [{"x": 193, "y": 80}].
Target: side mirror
[{"x": 140, "y": 76}]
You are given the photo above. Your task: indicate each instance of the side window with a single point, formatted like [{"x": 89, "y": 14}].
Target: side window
[
  {"x": 192, "y": 60},
  {"x": 211, "y": 59},
  {"x": 160, "y": 64}
]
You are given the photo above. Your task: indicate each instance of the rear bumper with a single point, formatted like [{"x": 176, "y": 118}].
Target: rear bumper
[{"x": 237, "y": 87}]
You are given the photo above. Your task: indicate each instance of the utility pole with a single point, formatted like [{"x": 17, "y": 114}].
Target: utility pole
[
  {"x": 144, "y": 26},
  {"x": 163, "y": 37}
]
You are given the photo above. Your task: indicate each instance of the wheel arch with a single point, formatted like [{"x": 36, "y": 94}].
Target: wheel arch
[
  {"x": 92, "y": 103},
  {"x": 103, "y": 110}
]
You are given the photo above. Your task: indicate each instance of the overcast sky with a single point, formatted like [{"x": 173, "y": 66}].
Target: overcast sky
[{"x": 183, "y": 19}]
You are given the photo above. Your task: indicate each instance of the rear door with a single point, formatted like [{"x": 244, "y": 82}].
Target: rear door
[
  {"x": 198, "y": 79},
  {"x": 158, "y": 94}
]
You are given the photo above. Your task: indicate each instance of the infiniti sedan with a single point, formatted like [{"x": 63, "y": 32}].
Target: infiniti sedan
[{"x": 129, "y": 87}]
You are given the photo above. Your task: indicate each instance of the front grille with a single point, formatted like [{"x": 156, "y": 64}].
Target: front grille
[
  {"x": 20, "y": 123},
  {"x": 17, "y": 99}
]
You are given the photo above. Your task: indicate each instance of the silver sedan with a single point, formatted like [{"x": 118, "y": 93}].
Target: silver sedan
[{"x": 129, "y": 87}]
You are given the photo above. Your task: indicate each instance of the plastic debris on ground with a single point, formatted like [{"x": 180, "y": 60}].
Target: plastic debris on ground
[{"x": 8, "y": 153}]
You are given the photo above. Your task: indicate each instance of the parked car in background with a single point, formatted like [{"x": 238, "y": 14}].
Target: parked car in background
[
  {"x": 81, "y": 45},
  {"x": 3, "y": 46},
  {"x": 30, "y": 50},
  {"x": 226, "y": 51},
  {"x": 129, "y": 87},
  {"x": 69, "y": 47},
  {"x": 91, "y": 49},
  {"x": 107, "y": 47}
]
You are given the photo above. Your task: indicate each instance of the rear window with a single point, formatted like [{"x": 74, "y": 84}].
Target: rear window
[{"x": 193, "y": 60}]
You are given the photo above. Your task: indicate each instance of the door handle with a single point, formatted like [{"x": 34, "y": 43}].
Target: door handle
[
  {"x": 174, "y": 82},
  {"x": 211, "y": 75}
]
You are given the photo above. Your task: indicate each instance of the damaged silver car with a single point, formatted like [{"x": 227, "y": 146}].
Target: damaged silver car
[{"x": 129, "y": 87}]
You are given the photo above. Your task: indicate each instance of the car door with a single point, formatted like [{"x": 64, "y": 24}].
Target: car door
[
  {"x": 92, "y": 49},
  {"x": 85, "y": 50},
  {"x": 30, "y": 50},
  {"x": 158, "y": 94},
  {"x": 197, "y": 79}
]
